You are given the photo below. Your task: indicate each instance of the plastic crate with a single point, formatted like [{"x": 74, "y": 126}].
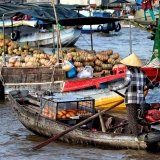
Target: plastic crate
[
  {"x": 101, "y": 14},
  {"x": 52, "y": 106}
]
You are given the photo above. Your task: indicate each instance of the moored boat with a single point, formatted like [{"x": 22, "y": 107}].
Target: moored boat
[
  {"x": 105, "y": 28},
  {"x": 68, "y": 38},
  {"x": 45, "y": 78},
  {"x": 85, "y": 86},
  {"x": 30, "y": 112}
]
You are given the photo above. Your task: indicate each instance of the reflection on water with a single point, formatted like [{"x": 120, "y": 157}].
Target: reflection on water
[{"x": 16, "y": 140}]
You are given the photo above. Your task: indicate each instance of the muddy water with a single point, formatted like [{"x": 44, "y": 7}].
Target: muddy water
[{"x": 16, "y": 140}]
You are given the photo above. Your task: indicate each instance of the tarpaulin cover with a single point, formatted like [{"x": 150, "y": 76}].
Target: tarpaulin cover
[
  {"x": 87, "y": 21},
  {"x": 66, "y": 16},
  {"x": 43, "y": 12}
]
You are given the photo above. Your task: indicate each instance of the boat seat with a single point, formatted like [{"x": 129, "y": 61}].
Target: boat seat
[{"x": 156, "y": 127}]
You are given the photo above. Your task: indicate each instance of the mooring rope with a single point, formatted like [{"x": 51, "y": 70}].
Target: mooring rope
[
  {"x": 155, "y": 63},
  {"x": 1, "y": 77}
]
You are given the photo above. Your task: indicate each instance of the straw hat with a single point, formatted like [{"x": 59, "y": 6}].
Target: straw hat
[{"x": 132, "y": 60}]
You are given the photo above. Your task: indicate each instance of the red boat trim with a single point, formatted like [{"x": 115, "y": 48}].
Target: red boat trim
[
  {"x": 85, "y": 83},
  {"x": 152, "y": 73}
]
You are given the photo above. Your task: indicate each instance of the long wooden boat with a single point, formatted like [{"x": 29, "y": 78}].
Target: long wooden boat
[
  {"x": 32, "y": 117},
  {"x": 45, "y": 78}
]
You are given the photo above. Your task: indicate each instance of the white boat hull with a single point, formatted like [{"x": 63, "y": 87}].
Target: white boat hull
[{"x": 68, "y": 37}]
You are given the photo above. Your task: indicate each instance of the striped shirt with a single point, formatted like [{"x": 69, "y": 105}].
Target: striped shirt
[{"x": 135, "y": 81}]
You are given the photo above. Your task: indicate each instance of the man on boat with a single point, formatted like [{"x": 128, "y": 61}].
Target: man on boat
[{"x": 135, "y": 82}]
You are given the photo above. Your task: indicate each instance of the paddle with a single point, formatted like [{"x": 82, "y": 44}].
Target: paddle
[
  {"x": 122, "y": 95},
  {"x": 119, "y": 93},
  {"x": 74, "y": 127}
]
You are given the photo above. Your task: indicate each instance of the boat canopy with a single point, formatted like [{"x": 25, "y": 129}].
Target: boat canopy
[
  {"x": 43, "y": 12},
  {"x": 65, "y": 13},
  {"x": 87, "y": 21}
]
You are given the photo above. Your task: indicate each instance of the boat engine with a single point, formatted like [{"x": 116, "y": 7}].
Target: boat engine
[
  {"x": 150, "y": 112},
  {"x": 153, "y": 115}
]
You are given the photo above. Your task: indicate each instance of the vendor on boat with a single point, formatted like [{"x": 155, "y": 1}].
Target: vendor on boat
[{"x": 135, "y": 82}]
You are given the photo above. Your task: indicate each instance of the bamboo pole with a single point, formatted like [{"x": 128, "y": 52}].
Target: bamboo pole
[
  {"x": 58, "y": 32},
  {"x": 101, "y": 121}
]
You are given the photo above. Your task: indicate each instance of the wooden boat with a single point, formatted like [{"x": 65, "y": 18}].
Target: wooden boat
[
  {"x": 95, "y": 87},
  {"x": 41, "y": 78},
  {"x": 32, "y": 117}
]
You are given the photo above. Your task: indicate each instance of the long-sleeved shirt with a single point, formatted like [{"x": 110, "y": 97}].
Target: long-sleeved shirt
[{"x": 135, "y": 81}]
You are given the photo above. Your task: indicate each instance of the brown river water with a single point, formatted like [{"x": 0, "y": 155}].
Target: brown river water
[{"x": 16, "y": 140}]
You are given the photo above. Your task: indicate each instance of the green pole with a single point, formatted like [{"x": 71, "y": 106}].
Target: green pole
[{"x": 156, "y": 47}]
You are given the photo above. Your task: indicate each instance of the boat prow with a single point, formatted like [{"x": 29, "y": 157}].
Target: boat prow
[{"x": 29, "y": 111}]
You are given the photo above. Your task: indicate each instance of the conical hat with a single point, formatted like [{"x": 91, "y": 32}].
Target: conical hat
[{"x": 132, "y": 60}]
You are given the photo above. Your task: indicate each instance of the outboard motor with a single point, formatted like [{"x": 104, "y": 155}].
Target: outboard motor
[
  {"x": 142, "y": 111},
  {"x": 149, "y": 113},
  {"x": 153, "y": 115}
]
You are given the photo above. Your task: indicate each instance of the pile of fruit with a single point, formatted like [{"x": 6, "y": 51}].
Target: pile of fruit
[
  {"x": 64, "y": 114},
  {"x": 25, "y": 56},
  {"x": 100, "y": 61},
  {"x": 30, "y": 57}
]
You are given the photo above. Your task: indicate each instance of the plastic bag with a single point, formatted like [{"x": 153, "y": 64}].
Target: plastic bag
[
  {"x": 67, "y": 66},
  {"x": 72, "y": 73},
  {"x": 86, "y": 72}
]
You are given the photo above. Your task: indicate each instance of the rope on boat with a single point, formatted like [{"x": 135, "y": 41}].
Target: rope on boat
[
  {"x": 52, "y": 78},
  {"x": 53, "y": 75},
  {"x": 155, "y": 63},
  {"x": 1, "y": 77},
  {"x": 139, "y": 26}
]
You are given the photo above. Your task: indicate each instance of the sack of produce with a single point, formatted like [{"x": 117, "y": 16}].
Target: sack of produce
[{"x": 86, "y": 72}]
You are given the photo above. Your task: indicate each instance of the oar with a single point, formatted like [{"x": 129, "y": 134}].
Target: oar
[
  {"x": 119, "y": 93},
  {"x": 74, "y": 127},
  {"x": 122, "y": 95}
]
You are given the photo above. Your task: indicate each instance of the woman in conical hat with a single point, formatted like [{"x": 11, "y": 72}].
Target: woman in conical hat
[
  {"x": 134, "y": 82},
  {"x": 132, "y": 60}
]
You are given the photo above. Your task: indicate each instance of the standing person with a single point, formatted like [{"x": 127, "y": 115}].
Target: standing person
[
  {"x": 148, "y": 5},
  {"x": 135, "y": 82}
]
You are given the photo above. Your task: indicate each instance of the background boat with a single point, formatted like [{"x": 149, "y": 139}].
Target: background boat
[
  {"x": 68, "y": 38},
  {"x": 107, "y": 27}
]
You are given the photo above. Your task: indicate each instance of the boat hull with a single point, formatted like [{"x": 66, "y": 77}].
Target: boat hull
[
  {"x": 35, "y": 122},
  {"x": 39, "y": 79},
  {"x": 68, "y": 38}
]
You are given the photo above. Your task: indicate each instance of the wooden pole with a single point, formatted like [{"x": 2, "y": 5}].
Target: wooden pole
[
  {"x": 101, "y": 121},
  {"x": 58, "y": 31}
]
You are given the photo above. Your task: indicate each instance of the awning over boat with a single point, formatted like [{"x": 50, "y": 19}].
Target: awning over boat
[
  {"x": 66, "y": 16},
  {"x": 87, "y": 21},
  {"x": 43, "y": 12}
]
